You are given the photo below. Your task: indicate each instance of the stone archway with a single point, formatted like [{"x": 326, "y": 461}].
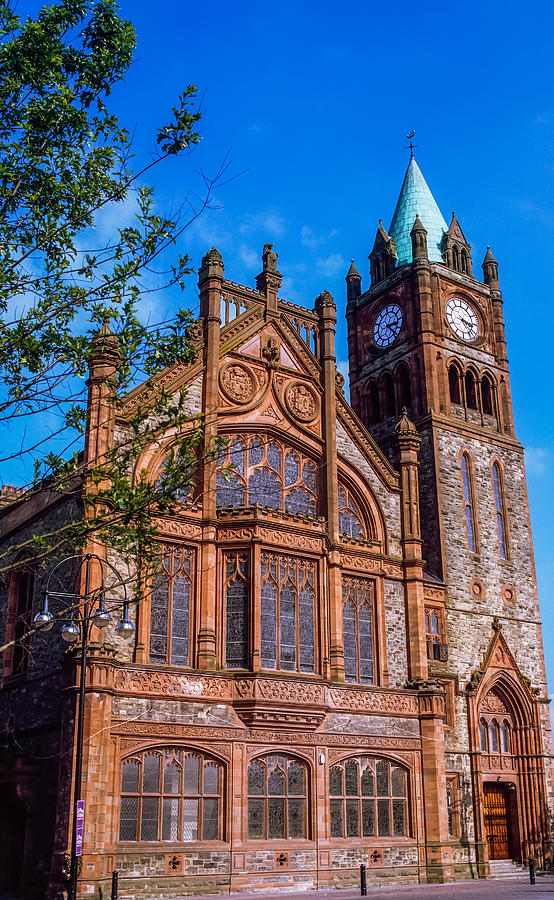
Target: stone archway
[{"x": 508, "y": 761}]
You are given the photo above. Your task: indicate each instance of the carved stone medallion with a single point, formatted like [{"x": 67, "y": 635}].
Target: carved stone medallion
[
  {"x": 237, "y": 383},
  {"x": 301, "y": 401}
]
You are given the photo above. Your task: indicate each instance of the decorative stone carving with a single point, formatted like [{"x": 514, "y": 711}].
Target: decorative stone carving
[
  {"x": 493, "y": 703},
  {"x": 237, "y": 382},
  {"x": 290, "y": 539},
  {"x": 178, "y": 528},
  {"x": 272, "y": 353},
  {"x": 301, "y": 401},
  {"x": 168, "y": 684},
  {"x": 235, "y": 534}
]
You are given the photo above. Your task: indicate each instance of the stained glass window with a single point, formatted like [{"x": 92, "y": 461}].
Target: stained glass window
[
  {"x": 236, "y": 609},
  {"x": 498, "y": 500},
  {"x": 287, "y": 613},
  {"x": 493, "y": 736},
  {"x": 357, "y": 625},
  {"x": 369, "y": 798},
  {"x": 468, "y": 503},
  {"x": 505, "y": 737},
  {"x": 263, "y": 471},
  {"x": 433, "y": 633},
  {"x": 171, "y": 795},
  {"x": 170, "y": 606},
  {"x": 277, "y": 798},
  {"x": 350, "y": 517}
]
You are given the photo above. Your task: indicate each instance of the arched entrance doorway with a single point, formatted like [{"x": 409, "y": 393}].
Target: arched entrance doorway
[
  {"x": 12, "y": 839},
  {"x": 508, "y": 767}
]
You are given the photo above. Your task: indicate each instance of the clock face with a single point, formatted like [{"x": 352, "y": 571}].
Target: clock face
[
  {"x": 387, "y": 325},
  {"x": 462, "y": 319}
]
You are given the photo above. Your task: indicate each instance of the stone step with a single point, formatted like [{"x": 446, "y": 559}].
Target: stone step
[{"x": 507, "y": 868}]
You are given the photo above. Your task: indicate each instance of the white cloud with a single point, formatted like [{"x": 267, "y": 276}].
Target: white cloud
[
  {"x": 537, "y": 460},
  {"x": 249, "y": 257},
  {"x": 331, "y": 265},
  {"x": 313, "y": 240},
  {"x": 269, "y": 222}
]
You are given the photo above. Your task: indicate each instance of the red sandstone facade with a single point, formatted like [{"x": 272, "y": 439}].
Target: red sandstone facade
[{"x": 324, "y": 672}]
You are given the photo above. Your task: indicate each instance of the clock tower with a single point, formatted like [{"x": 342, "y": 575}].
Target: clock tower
[{"x": 427, "y": 335}]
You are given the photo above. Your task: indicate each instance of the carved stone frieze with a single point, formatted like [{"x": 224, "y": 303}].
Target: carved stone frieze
[
  {"x": 235, "y": 534},
  {"x": 209, "y": 734},
  {"x": 371, "y": 565},
  {"x": 291, "y": 539},
  {"x": 167, "y": 684},
  {"x": 178, "y": 528}
]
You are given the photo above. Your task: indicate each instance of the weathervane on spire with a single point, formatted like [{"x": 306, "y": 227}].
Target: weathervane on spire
[{"x": 411, "y": 146}]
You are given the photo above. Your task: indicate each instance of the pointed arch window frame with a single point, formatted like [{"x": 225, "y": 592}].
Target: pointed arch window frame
[
  {"x": 468, "y": 494},
  {"x": 502, "y": 531}
]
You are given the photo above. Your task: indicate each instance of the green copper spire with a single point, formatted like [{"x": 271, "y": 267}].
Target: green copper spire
[{"x": 416, "y": 200}]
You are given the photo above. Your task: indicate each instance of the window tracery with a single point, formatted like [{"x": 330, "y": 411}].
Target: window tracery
[
  {"x": 288, "y": 586},
  {"x": 350, "y": 516},
  {"x": 237, "y": 574},
  {"x": 264, "y": 471},
  {"x": 170, "y": 607},
  {"x": 171, "y": 795},
  {"x": 357, "y": 629},
  {"x": 277, "y": 798},
  {"x": 369, "y": 798}
]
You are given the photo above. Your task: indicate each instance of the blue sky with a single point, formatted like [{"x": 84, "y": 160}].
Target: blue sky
[{"x": 313, "y": 102}]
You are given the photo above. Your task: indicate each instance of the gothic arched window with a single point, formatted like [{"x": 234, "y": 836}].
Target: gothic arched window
[
  {"x": 288, "y": 587},
  {"x": 374, "y": 411},
  {"x": 237, "y": 576},
  {"x": 21, "y": 592},
  {"x": 388, "y": 390},
  {"x": 170, "y": 607},
  {"x": 454, "y": 384},
  {"x": 171, "y": 795},
  {"x": 405, "y": 387},
  {"x": 358, "y": 630},
  {"x": 471, "y": 393},
  {"x": 505, "y": 742},
  {"x": 263, "y": 471},
  {"x": 350, "y": 517},
  {"x": 499, "y": 505},
  {"x": 468, "y": 503},
  {"x": 277, "y": 798},
  {"x": 493, "y": 736},
  {"x": 455, "y": 262},
  {"x": 369, "y": 798},
  {"x": 487, "y": 396}
]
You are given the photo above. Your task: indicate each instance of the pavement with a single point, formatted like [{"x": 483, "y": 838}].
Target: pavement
[{"x": 479, "y": 889}]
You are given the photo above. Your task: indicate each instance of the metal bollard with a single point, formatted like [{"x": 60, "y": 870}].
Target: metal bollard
[
  {"x": 531, "y": 870},
  {"x": 115, "y": 880},
  {"x": 363, "y": 882}
]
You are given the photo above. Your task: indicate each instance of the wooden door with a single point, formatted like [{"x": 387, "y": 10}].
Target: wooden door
[{"x": 497, "y": 825}]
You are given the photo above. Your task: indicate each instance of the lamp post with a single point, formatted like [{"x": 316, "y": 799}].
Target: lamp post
[{"x": 85, "y": 610}]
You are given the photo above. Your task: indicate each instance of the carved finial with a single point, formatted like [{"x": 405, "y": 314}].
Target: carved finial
[
  {"x": 104, "y": 342},
  {"x": 212, "y": 265},
  {"x": 324, "y": 301},
  {"x": 404, "y": 426}
]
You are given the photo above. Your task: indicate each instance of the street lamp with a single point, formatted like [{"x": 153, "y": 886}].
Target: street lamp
[{"x": 84, "y": 611}]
